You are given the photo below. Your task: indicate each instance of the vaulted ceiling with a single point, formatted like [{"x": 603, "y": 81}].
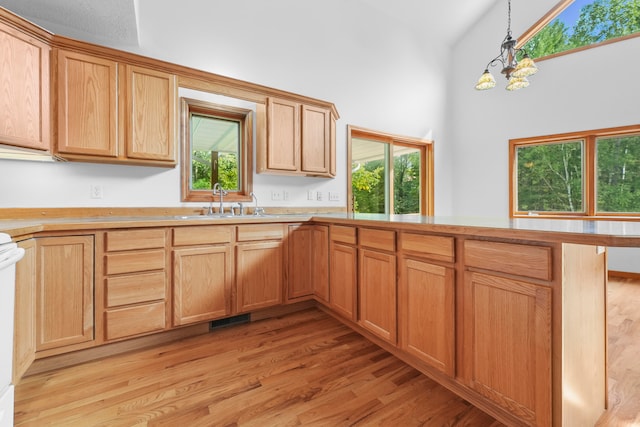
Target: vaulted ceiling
[{"x": 114, "y": 21}]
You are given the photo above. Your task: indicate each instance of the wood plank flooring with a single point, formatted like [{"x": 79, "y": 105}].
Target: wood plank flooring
[
  {"x": 623, "y": 322},
  {"x": 302, "y": 369}
]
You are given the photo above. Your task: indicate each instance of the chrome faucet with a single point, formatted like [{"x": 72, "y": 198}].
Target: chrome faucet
[
  {"x": 256, "y": 209},
  {"x": 218, "y": 190}
]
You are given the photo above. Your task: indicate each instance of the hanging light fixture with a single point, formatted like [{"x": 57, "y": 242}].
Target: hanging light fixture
[{"x": 516, "y": 72}]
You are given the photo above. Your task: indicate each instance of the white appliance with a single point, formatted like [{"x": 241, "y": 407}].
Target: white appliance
[{"x": 10, "y": 254}]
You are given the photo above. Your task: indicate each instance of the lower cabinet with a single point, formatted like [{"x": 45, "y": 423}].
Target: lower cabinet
[
  {"x": 64, "y": 293},
  {"x": 135, "y": 282},
  {"x": 377, "y": 282},
  {"x": 426, "y": 312},
  {"x": 202, "y": 279},
  {"x": 320, "y": 262},
  {"x": 343, "y": 279},
  {"x": 24, "y": 323},
  {"x": 308, "y": 262},
  {"x": 506, "y": 349},
  {"x": 202, "y": 273},
  {"x": 378, "y": 293},
  {"x": 508, "y": 344},
  {"x": 259, "y": 266}
]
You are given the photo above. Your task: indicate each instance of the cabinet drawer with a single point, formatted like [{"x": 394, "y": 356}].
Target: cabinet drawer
[
  {"x": 521, "y": 260},
  {"x": 135, "y": 261},
  {"x": 135, "y": 288},
  {"x": 440, "y": 248},
  {"x": 378, "y": 239},
  {"x": 260, "y": 232},
  {"x": 202, "y": 235},
  {"x": 340, "y": 233},
  {"x": 126, "y": 240},
  {"x": 124, "y": 322}
]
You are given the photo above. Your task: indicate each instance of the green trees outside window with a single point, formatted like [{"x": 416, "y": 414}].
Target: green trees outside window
[
  {"x": 594, "y": 173},
  {"x": 597, "y": 21},
  {"x": 389, "y": 174},
  {"x": 217, "y": 142},
  {"x": 618, "y": 178},
  {"x": 550, "y": 177}
]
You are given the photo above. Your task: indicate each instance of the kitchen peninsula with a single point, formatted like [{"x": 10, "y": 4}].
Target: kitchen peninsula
[{"x": 508, "y": 314}]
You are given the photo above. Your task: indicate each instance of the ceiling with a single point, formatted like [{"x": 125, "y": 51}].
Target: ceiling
[{"x": 114, "y": 22}]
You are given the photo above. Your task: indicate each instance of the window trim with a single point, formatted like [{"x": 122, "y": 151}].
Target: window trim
[
  {"x": 426, "y": 173},
  {"x": 550, "y": 16},
  {"x": 589, "y": 172},
  {"x": 245, "y": 161}
]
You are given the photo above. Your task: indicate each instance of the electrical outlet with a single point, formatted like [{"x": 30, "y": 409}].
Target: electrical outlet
[
  {"x": 276, "y": 195},
  {"x": 319, "y": 196},
  {"x": 96, "y": 191},
  {"x": 285, "y": 195},
  {"x": 334, "y": 196},
  {"x": 311, "y": 195}
]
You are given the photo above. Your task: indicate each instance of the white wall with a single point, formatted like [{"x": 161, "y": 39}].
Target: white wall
[
  {"x": 592, "y": 89},
  {"x": 377, "y": 74}
]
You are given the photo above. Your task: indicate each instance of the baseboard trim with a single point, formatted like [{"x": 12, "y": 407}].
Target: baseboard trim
[
  {"x": 624, "y": 274},
  {"x": 94, "y": 353}
]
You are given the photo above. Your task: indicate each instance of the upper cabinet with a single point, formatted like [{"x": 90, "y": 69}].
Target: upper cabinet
[
  {"x": 84, "y": 102},
  {"x": 24, "y": 84},
  {"x": 113, "y": 112},
  {"x": 151, "y": 115},
  {"x": 300, "y": 140},
  {"x": 87, "y": 105}
]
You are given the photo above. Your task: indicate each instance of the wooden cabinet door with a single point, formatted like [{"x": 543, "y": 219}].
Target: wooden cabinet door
[
  {"x": 343, "y": 280},
  {"x": 283, "y": 135},
  {"x": 320, "y": 262},
  {"x": 87, "y": 110},
  {"x": 300, "y": 262},
  {"x": 24, "y": 345},
  {"x": 507, "y": 344},
  {"x": 258, "y": 275},
  {"x": 377, "y": 292},
  {"x": 316, "y": 138},
  {"x": 426, "y": 313},
  {"x": 151, "y": 115},
  {"x": 65, "y": 291},
  {"x": 202, "y": 282},
  {"x": 24, "y": 79},
  {"x": 308, "y": 262}
]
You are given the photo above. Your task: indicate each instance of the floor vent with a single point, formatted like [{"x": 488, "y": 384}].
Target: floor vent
[{"x": 229, "y": 321}]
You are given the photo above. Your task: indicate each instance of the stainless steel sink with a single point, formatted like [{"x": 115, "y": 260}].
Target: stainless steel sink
[{"x": 225, "y": 216}]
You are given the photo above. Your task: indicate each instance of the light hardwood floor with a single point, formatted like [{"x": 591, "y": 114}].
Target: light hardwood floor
[{"x": 301, "y": 369}]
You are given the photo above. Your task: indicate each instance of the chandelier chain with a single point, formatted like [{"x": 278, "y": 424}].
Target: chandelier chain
[{"x": 509, "y": 19}]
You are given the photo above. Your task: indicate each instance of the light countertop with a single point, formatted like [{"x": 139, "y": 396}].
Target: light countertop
[{"x": 593, "y": 232}]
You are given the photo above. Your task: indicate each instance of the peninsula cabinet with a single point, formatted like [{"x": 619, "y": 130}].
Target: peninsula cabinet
[
  {"x": 24, "y": 78},
  {"x": 308, "y": 262},
  {"x": 508, "y": 326},
  {"x": 135, "y": 282},
  {"x": 64, "y": 294},
  {"x": 259, "y": 266},
  {"x": 114, "y": 112},
  {"x": 534, "y": 338},
  {"x": 426, "y": 299},
  {"x": 343, "y": 271},
  {"x": 300, "y": 140},
  {"x": 377, "y": 282}
]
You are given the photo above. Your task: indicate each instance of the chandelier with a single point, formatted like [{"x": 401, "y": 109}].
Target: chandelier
[{"x": 515, "y": 71}]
